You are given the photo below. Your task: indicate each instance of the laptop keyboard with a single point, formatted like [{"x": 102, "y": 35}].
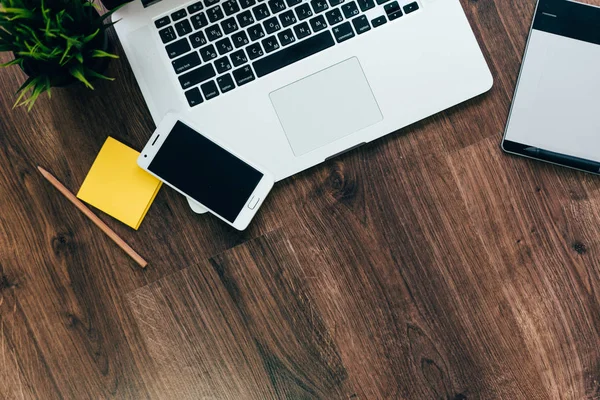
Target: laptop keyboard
[{"x": 217, "y": 46}]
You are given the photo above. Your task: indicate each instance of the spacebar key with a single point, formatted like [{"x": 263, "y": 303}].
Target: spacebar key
[{"x": 291, "y": 54}]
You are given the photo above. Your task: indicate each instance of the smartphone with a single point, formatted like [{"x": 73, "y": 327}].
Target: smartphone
[{"x": 197, "y": 166}]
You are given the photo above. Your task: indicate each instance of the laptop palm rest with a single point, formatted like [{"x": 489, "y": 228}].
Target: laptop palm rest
[{"x": 326, "y": 106}]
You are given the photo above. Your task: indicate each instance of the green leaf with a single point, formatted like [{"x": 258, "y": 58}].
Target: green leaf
[
  {"x": 79, "y": 58},
  {"x": 17, "y": 13},
  {"x": 77, "y": 72},
  {"x": 101, "y": 53},
  {"x": 25, "y": 84},
  {"x": 91, "y": 37},
  {"x": 111, "y": 12},
  {"x": 48, "y": 31},
  {"x": 108, "y": 25},
  {"x": 65, "y": 54},
  {"x": 59, "y": 18},
  {"x": 13, "y": 62},
  {"x": 55, "y": 52},
  {"x": 95, "y": 74},
  {"x": 22, "y": 91},
  {"x": 37, "y": 91}
]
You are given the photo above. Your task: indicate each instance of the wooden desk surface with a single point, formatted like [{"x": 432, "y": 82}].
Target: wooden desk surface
[{"x": 426, "y": 265}]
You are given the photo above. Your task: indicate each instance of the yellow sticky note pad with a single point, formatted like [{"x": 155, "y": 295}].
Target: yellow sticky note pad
[{"x": 117, "y": 186}]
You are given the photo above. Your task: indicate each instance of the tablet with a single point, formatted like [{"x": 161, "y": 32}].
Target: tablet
[{"x": 555, "y": 114}]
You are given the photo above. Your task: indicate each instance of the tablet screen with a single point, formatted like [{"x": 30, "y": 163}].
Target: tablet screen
[{"x": 557, "y": 100}]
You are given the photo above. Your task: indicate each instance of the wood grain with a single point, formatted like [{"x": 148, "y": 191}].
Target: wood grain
[
  {"x": 97, "y": 221},
  {"x": 426, "y": 265}
]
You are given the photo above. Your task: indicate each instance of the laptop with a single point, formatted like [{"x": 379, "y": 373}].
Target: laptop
[{"x": 289, "y": 84}]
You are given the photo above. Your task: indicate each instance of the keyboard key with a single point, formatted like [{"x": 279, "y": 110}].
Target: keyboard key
[
  {"x": 224, "y": 46},
  {"x": 270, "y": 44},
  {"x": 164, "y": 21},
  {"x": 381, "y": 1},
  {"x": 361, "y": 24},
  {"x": 319, "y": 5},
  {"x": 229, "y": 25},
  {"x": 318, "y": 23},
  {"x": 225, "y": 83},
  {"x": 222, "y": 65},
  {"x": 199, "y": 21},
  {"x": 343, "y": 32},
  {"x": 198, "y": 39},
  {"x": 395, "y": 15},
  {"x": 303, "y": 11},
  {"x": 183, "y": 27},
  {"x": 240, "y": 39},
  {"x": 334, "y": 3},
  {"x": 209, "y": 3},
  {"x": 261, "y": 11},
  {"x": 256, "y": 32},
  {"x": 210, "y": 90},
  {"x": 254, "y": 51},
  {"x": 302, "y": 30},
  {"x": 292, "y": 3},
  {"x": 243, "y": 75},
  {"x": 286, "y": 37},
  {"x": 238, "y": 58},
  {"x": 287, "y": 18},
  {"x": 247, "y": 3},
  {"x": 186, "y": 62},
  {"x": 391, "y": 7},
  {"x": 277, "y": 6},
  {"x": 167, "y": 35},
  {"x": 208, "y": 53},
  {"x": 291, "y": 54},
  {"x": 197, "y": 76},
  {"x": 231, "y": 7},
  {"x": 178, "y": 48},
  {"x": 378, "y": 21},
  {"x": 194, "y": 97},
  {"x": 350, "y": 10},
  {"x": 393, "y": 10},
  {"x": 411, "y": 7},
  {"x": 194, "y": 8},
  {"x": 272, "y": 25},
  {"x": 213, "y": 33},
  {"x": 334, "y": 16},
  {"x": 365, "y": 4},
  {"x": 177, "y": 15},
  {"x": 245, "y": 19},
  {"x": 215, "y": 13}
]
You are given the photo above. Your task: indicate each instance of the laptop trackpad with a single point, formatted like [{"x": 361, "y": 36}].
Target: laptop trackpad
[{"x": 326, "y": 106}]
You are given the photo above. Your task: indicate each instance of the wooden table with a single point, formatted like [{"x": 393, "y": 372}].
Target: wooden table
[{"x": 426, "y": 265}]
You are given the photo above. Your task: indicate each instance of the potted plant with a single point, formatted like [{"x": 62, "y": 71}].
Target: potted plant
[{"x": 55, "y": 42}]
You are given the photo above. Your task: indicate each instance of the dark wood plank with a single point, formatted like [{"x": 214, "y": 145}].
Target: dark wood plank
[
  {"x": 196, "y": 340},
  {"x": 545, "y": 266},
  {"x": 424, "y": 265}
]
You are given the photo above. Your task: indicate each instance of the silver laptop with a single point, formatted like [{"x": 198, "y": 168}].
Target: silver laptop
[{"x": 290, "y": 83}]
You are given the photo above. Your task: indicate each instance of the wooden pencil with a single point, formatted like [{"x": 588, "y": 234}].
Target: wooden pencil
[{"x": 82, "y": 207}]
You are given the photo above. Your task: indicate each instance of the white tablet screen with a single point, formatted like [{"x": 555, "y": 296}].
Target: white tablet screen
[{"x": 557, "y": 102}]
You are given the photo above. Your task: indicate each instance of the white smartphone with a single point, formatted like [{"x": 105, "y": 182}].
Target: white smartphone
[{"x": 197, "y": 166}]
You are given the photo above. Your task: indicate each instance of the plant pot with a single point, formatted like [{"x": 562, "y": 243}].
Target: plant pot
[{"x": 60, "y": 76}]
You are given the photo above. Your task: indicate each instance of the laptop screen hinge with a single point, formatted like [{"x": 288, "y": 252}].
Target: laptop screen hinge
[
  {"x": 345, "y": 151},
  {"x": 148, "y": 3}
]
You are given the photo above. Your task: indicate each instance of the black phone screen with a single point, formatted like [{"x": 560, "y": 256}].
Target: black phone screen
[{"x": 205, "y": 171}]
